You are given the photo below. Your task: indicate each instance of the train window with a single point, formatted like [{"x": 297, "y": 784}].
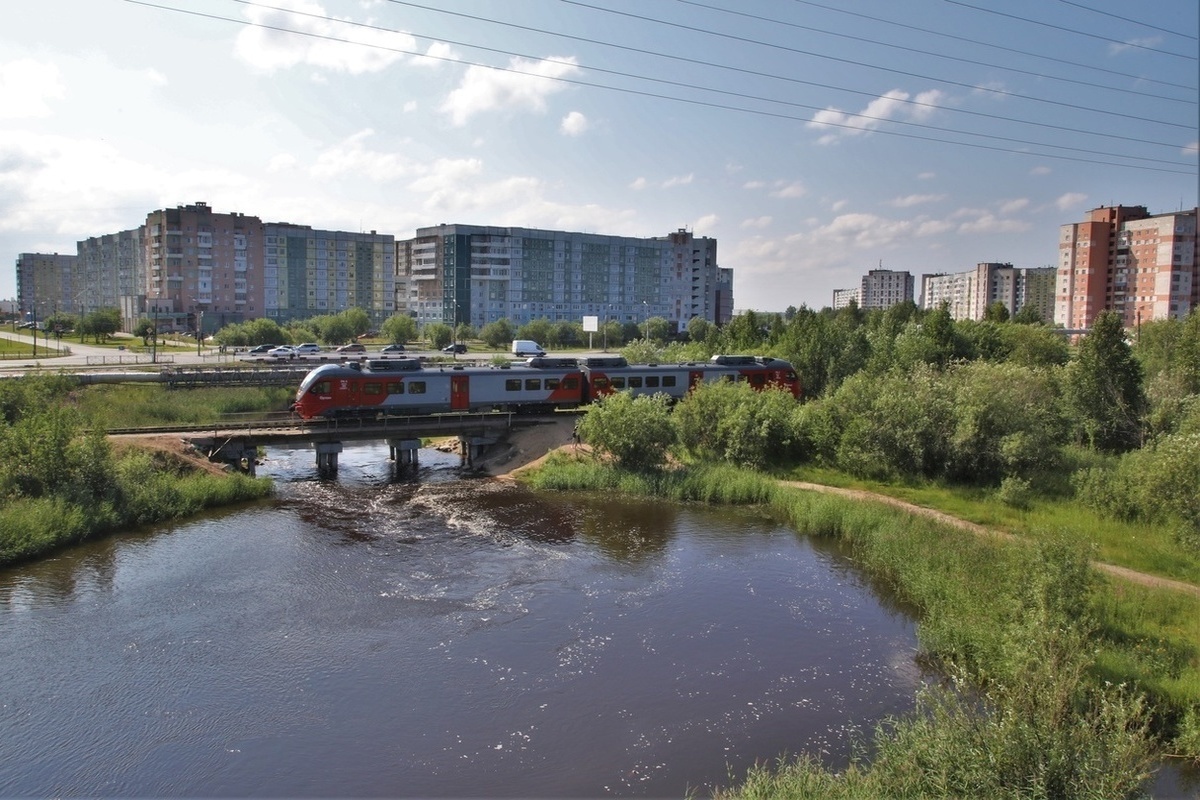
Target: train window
[
  {"x": 320, "y": 387},
  {"x": 618, "y": 384},
  {"x": 373, "y": 388},
  {"x": 600, "y": 383},
  {"x": 668, "y": 380},
  {"x": 635, "y": 381},
  {"x": 651, "y": 381},
  {"x": 571, "y": 383},
  {"x": 552, "y": 383},
  {"x": 533, "y": 384},
  {"x": 396, "y": 388},
  {"x": 512, "y": 385},
  {"x": 416, "y": 387},
  {"x": 758, "y": 379}
]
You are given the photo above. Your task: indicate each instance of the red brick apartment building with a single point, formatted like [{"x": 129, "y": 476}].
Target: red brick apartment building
[{"x": 1123, "y": 258}]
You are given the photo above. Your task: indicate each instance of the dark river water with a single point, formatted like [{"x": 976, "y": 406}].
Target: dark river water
[{"x": 438, "y": 637}]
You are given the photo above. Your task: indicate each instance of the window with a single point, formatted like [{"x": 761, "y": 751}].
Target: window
[
  {"x": 552, "y": 383},
  {"x": 416, "y": 387},
  {"x": 651, "y": 381},
  {"x": 600, "y": 383},
  {"x": 635, "y": 381},
  {"x": 395, "y": 388},
  {"x": 668, "y": 380},
  {"x": 758, "y": 379},
  {"x": 571, "y": 383},
  {"x": 618, "y": 384},
  {"x": 320, "y": 387},
  {"x": 533, "y": 384},
  {"x": 512, "y": 385},
  {"x": 373, "y": 388}
]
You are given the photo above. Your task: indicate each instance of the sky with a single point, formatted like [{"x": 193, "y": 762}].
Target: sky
[{"x": 813, "y": 140}]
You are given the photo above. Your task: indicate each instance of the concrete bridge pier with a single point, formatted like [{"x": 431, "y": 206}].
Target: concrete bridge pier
[
  {"x": 404, "y": 452},
  {"x": 327, "y": 457},
  {"x": 472, "y": 447}
]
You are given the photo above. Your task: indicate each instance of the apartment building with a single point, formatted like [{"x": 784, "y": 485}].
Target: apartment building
[
  {"x": 842, "y": 298},
  {"x": 308, "y": 272},
  {"x": 44, "y": 284},
  {"x": 479, "y": 274},
  {"x": 1122, "y": 258},
  {"x": 884, "y": 288},
  {"x": 969, "y": 294}
]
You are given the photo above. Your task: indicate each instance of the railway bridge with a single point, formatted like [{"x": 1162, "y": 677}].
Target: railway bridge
[{"x": 237, "y": 443}]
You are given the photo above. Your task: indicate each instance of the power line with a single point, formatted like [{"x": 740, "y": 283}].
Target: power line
[
  {"x": 675, "y": 98},
  {"x": 1070, "y": 30},
  {"x": 852, "y": 62},
  {"x": 1127, "y": 20},
  {"x": 684, "y": 59},
  {"x": 775, "y": 21}
]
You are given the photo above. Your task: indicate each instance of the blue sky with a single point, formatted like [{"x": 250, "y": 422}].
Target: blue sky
[{"x": 813, "y": 140}]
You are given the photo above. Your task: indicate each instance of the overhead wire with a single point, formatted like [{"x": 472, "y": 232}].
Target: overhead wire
[
  {"x": 311, "y": 34},
  {"x": 1127, "y": 20}
]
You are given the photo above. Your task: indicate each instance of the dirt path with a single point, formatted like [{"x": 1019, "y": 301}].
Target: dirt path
[{"x": 1124, "y": 573}]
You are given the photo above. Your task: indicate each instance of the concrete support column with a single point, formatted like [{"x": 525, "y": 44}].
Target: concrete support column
[
  {"x": 327, "y": 457},
  {"x": 472, "y": 447},
  {"x": 404, "y": 451}
]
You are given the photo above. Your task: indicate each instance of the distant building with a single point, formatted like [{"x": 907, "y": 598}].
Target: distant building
[
  {"x": 969, "y": 294},
  {"x": 1124, "y": 259},
  {"x": 45, "y": 284},
  {"x": 842, "y": 298},
  {"x": 478, "y": 274},
  {"x": 884, "y": 288}
]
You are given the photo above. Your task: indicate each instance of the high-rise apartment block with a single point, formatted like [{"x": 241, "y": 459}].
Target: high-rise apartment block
[
  {"x": 190, "y": 266},
  {"x": 478, "y": 274},
  {"x": 969, "y": 294},
  {"x": 1122, "y": 258},
  {"x": 884, "y": 288}
]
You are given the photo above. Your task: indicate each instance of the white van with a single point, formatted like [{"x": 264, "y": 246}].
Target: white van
[{"x": 526, "y": 347}]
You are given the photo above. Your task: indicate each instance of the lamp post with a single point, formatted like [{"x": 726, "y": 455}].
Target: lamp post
[
  {"x": 35, "y": 329},
  {"x": 154, "y": 333}
]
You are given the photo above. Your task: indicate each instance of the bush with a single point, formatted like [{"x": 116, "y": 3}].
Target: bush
[{"x": 636, "y": 431}]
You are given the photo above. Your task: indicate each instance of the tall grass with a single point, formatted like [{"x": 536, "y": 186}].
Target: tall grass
[{"x": 147, "y": 405}]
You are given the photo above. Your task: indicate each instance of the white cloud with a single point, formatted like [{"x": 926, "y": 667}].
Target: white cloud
[
  {"x": 1070, "y": 200},
  {"x": 786, "y": 190},
  {"x": 1132, "y": 44},
  {"x": 320, "y": 40},
  {"x": 908, "y": 201},
  {"x": 284, "y": 162},
  {"x": 754, "y": 185},
  {"x": 838, "y": 124},
  {"x": 352, "y": 157},
  {"x": 26, "y": 86},
  {"x": 926, "y": 176},
  {"x": 706, "y": 225},
  {"x": 524, "y": 85},
  {"x": 678, "y": 180},
  {"x": 574, "y": 124},
  {"x": 1191, "y": 149},
  {"x": 638, "y": 184},
  {"x": 757, "y": 222},
  {"x": 1013, "y": 206},
  {"x": 1040, "y": 171}
]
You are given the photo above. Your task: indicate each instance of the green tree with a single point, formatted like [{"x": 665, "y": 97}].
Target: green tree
[
  {"x": 144, "y": 329},
  {"x": 697, "y": 328},
  {"x": 1103, "y": 390},
  {"x": 102, "y": 324},
  {"x": 636, "y": 431},
  {"x": 439, "y": 334},
  {"x": 658, "y": 330},
  {"x": 499, "y": 334},
  {"x": 1027, "y": 315},
  {"x": 996, "y": 312},
  {"x": 399, "y": 328},
  {"x": 358, "y": 319},
  {"x": 726, "y": 421},
  {"x": 537, "y": 330}
]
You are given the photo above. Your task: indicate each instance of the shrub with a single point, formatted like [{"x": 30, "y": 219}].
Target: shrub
[{"x": 636, "y": 431}]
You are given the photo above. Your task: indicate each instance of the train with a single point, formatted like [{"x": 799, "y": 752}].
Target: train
[{"x": 542, "y": 384}]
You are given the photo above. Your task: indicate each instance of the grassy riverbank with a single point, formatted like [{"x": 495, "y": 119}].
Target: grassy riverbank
[
  {"x": 1033, "y": 637},
  {"x": 62, "y": 481}
]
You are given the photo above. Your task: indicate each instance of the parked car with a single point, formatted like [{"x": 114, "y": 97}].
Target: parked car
[
  {"x": 307, "y": 349},
  {"x": 457, "y": 347},
  {"x": 261, "y": 350},
  {"x": 392, "y": 348},
  {"x": 282, "y": 351},
  {"x": 353, "y": 347}
]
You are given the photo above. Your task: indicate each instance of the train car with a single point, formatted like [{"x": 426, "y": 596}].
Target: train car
[
  {"x": 608, "y": 374},
  {"x": 407, "y": 386}
]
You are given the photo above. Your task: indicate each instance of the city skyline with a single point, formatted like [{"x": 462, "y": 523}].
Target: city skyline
[{"x": 862, "y": 139}]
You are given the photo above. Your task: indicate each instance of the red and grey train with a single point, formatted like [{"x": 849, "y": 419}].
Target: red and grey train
[{"x": 408, "y": 386}]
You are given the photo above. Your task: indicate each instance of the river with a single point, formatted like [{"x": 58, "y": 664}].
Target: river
[{"x": 438, "y": 637}]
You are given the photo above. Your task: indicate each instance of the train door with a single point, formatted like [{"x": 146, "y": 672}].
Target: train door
[
  {"x": 460, "y": 394},
  {"x": 695, "y": 376}
]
